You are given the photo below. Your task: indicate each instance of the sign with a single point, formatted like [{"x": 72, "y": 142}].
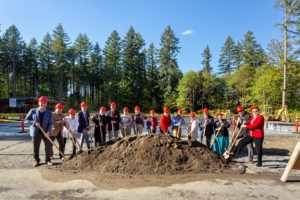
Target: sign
[
  {"x": 12, "y": 102},
  {"x": 294, "y": 163}
]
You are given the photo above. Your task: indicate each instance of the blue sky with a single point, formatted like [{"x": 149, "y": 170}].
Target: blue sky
[{"x": 205, "y": 22}]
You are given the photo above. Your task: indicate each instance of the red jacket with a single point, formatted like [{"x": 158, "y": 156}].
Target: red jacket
[
  {"x": 256, "y": 126},
  {"x": 165, "y": 122}
]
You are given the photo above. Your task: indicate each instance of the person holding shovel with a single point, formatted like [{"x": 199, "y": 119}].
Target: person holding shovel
[
  {"x": 114, "y": 120},
  {"x": 244, "y": 116},
  {"x": 256, "y": 127},
  {"x": 138, "y": 120},
  {"x": 40, "y": 118},
  {"x": 57, "y": 128},
  {"x": 152, "y": 122},
  {"x": 177, "y": 122},
  {"x": 206, "y": 126},
  {"x": 165, "y": 121},
  {"x": 84, "y": 125},
  {"x": 193, "y": 128},
  {"x": 70, "y": 130},
  {"x": 126, "y": 122},
  {"x": 100, "y": 120},
  {"x": 221, "y": 140}
]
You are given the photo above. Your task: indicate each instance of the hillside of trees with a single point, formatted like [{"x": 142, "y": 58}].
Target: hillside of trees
[{"x": 131, "y": 72}]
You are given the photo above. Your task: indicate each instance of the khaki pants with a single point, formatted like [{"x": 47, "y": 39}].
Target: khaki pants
[
  {"x": 177, "y": 132},
  {"x": 126, "y": 131}
]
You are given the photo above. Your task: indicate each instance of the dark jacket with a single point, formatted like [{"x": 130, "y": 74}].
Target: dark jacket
[
  {"x": 245, "y": 118},
  {"x": 83, "y": 124},
  {"x": 97, "y": 119},
  {"x": 209, "y": 130},
  {"x": 33, "y": 116},
  {"x": 116, "y": 118},
  {"x": 224, "y": 129}
]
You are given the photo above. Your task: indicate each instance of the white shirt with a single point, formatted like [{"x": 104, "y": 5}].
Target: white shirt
[
  {"x": 73, "y": 123},
  {"x": 194, "y": 130}
]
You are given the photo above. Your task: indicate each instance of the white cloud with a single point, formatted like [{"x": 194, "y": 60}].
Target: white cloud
[{"x": 188, "y": 32}]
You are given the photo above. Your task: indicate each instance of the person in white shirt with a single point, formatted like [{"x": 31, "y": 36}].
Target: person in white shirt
[
  {"x": 193, "y": 127},
  {"x": 126, "y": 121},
  {"x": 72, "y": 124}
]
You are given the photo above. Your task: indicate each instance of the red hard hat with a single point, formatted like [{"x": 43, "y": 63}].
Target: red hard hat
[
  {"x": 180, "y": 111},
  {"x": 152, "y": 112},
  {"x": 43, "y": 99},
  {"x": 253, "y": 107},
  {"x": 193, "y": 114},
  {"x": 137, "y": 108},
  {"x": 205, "y": 110},
  {"x": 72, "y": 111},
  {"x": 125, "y": 108},
  {"x": 83, "y": 104},
  {"x": 219, "y": 113},
  {"x": 59, "y": 106},
  {"x": 103, "y": 109},
  {"x": 113, "y": 105},
  {"x": 166, "y": 110},
  {"x": 239, "y": 109}
]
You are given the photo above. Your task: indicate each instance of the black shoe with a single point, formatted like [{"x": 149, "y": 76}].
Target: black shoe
[{"x": 258, "y": 165}]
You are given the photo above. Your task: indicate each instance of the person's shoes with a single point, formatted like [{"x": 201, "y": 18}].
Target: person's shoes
[
  {"x": 36, "y": 164},
  {"x": 79, "y": 152},
  {"x": 71, "y": 157},
  {"x": 258, "y": 165},
  {"x": 49, "y": 163}
]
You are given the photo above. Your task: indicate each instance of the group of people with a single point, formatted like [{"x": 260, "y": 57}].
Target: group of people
[{"x": 48, "y": 126}]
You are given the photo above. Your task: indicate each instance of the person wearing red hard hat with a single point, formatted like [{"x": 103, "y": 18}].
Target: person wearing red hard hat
[
  {"x": 57, "y": 127},
  {"x": 206, "y": 126},
  {"x": 152, "y": 122},
  {"x": 177, "y": 122},
  {"x": 193, "y": 127},
  {"x": 221, "y": 140},
  {"x": 70, "y": 130},
  {"x": 138, "y": 121},
  {"x": 100, "y": 120},
  {"x": 114, "y": 118},
  {"x": 256, "y": 127},
  {"x": 126, "y": 122},
  {"x": 38, "y": 118},
  {"x": 165, "y": 121},
  {"x": 244, "y": 116},
  {"x": 84, "y": 125}
]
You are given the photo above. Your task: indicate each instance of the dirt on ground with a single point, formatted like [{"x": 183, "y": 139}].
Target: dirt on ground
[{"x": 148, "y": 155}]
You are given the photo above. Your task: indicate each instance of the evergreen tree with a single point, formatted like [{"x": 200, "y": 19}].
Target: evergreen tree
[
  {"x": 170, "y": 73},
  {"x": 97, "y": 78},
  {"x": 82, "y": 48},
  {"x": 60, "y": 50},
  {"x": 238, "y": 55},
  {"x": 47, "y": 85},
  {"x": 206, "y": 60},
  {"x": 30, "y": 70},
  {"x": 152, "y": 74},
  {"x": 227, "y": 60},
  {"x": 253, "y": 54},
  {"x": 133, "y": 67},
  {"x": 13, "y": 48},
  {"x": 112, "y": 68}
]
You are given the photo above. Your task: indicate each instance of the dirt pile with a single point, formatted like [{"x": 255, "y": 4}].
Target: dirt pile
[{"x": 148, "y": 154}]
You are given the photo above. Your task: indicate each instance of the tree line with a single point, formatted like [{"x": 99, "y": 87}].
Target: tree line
[{"x": 131, "y": 73}]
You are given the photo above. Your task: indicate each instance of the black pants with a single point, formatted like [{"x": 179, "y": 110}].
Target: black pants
[
  {"x": 74, "y": 146},
  {"x": 208, "y": 140},
  {"x": 36, "y": 146},
  {"x": 258, "y": 146},
  {"x": 60, "y": 141}
]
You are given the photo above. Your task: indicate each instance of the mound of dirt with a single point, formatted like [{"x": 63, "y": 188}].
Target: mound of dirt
[{"x": 148, "y": 154}]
